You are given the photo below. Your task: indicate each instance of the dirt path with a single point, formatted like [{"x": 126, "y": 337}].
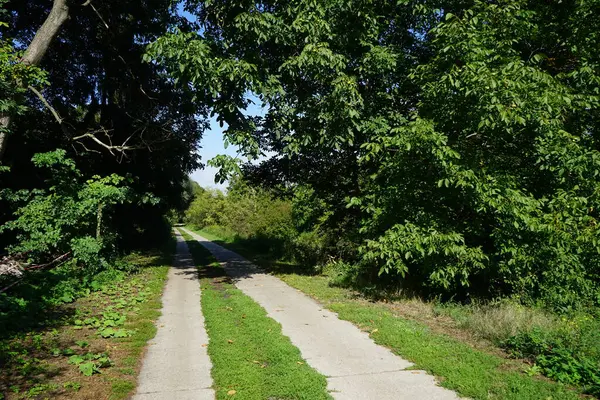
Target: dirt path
[
  {"x": 176, "y": 365},
  {"x": 356, "y": 367}
]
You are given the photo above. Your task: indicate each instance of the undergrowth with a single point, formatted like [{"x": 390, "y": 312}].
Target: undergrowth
[{"x": 88, "y": 345}]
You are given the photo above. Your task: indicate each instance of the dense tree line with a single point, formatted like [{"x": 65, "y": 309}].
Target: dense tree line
[
  {"x": 97, "y": 100},
  {"x": 453, "y": 142},
  {"x": 448, "y": 146},
  {"x": 96, "y": 143}
]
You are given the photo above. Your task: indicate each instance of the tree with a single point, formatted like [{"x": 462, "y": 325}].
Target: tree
[
  {"x": 456, "y": 139},
  {"x": 34, "y": 53},
  {"x": 110, "y": 111}
]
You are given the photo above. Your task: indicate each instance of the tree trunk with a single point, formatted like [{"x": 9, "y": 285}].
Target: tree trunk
[
  {"x": 99, "y": 222},
  {"x": 36, "y": 51},
  {"x": 4, "y": 121}
]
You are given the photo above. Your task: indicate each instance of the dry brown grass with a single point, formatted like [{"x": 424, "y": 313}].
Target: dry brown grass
[
  {"x": 501, "y": 320},
  {"x": 483, "y": 326}
]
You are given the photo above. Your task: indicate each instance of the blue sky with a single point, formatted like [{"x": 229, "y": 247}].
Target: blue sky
[{"x": 212, "y": 144}]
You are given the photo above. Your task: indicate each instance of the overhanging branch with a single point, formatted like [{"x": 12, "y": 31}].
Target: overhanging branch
[
  {"x": 110, "y": 147},
  {"x": 91, "y": 135}
]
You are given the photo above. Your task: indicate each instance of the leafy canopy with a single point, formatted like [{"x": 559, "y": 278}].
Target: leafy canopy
[{"x": 454, "y": 142}]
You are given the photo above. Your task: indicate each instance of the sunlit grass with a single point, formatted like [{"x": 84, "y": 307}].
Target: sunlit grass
[{"x": 251, "y": 358}]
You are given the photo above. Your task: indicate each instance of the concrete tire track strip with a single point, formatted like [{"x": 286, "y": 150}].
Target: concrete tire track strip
[
  {"x": 176, "y": 365},
  {"x": 356, "y": 368}
]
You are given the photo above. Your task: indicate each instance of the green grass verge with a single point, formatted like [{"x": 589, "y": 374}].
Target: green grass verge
[
  {"x": 141, "y": 324},
  {"x": 470, "y": 372},
  {"x": 251, "y": 358}
]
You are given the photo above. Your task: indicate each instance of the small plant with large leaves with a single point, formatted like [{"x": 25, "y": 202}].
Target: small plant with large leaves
[{"x": 90, "y": 363}]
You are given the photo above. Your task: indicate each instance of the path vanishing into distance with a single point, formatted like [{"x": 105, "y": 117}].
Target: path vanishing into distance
[{"x": 177, "y": 366}]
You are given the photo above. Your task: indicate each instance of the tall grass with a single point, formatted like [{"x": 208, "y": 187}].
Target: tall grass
[{"x": 498, "y": 321}]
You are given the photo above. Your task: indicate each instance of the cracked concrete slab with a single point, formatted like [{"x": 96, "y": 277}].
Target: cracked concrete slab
[
  {"x": 176, "y": 365},
  {"x": 356, "y": 367}
]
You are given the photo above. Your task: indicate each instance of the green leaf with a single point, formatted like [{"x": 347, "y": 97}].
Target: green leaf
[{"x": 88, "y": 368}]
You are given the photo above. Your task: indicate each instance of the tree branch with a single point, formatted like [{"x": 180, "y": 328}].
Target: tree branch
[
  {"x": 97, "y": 13},
  {"x": 45, "y": 102},
  {"x": 46, "y": 34},
  {"x": 36, "y": 51},
  {"x": 110, "y": 147}
]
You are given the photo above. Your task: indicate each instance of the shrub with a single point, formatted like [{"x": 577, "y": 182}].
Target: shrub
[
  {"x": 66, "y": 218},
  {"x": 309, "y": 248},
  {"x": 246, "y": 213},
  {"x": 568, "y": 354},
  {"x": 343, "y": 274},
  {"x": 206, "y": 209}
]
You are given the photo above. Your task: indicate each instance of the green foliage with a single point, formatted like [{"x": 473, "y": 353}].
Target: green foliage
[
  {"x": 247, "y": 212},
  {"x": 39, "y": 389},
  {"x": 268, "y": 223},
  {"x": 444, "y": 257},
  {"x": 109, "y": 323},
  {"x": 343, "y": 274},
  {"x": 309, "y": 248},
  {"x": 569, "y": 356},
  {"x": 114, "y": 333},
  {"x": 455, "y": 144},
  {"x": 74, "y": 386},
  {"x": 508, "y": 173},
  {"x": 15, "y": 77},
  {"x": 66, "y": 217},
  {"x": 206, "y": 209},
  {"x": 90, "y": 363},
  {"x": 118, "y": 116}
]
